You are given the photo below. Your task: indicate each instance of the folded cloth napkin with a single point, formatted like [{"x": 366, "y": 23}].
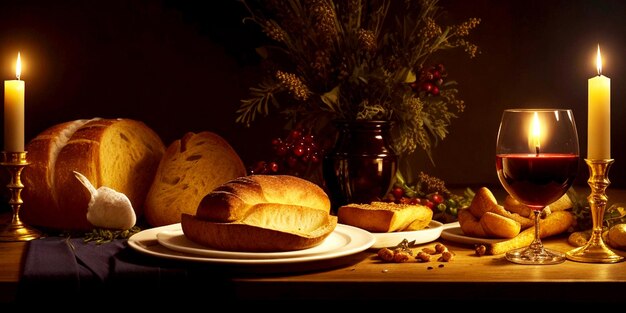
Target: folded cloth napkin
[{"x": 57, "y": 269}]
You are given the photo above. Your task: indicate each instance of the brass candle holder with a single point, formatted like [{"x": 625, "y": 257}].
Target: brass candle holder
[
  {"x": 16, "y": 230},
  {"x": 596, "y": 251}
]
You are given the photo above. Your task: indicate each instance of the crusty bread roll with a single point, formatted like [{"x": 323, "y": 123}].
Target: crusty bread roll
[
  {"x": 231, "y": 201},
  {"x": 498, "y": 226},
  {"x": 484, "y": 201},
  {"x": 266, "y": 228},
  {"x": 383, "y": 217},
  {"x": 190, "y": 168},
  {"x": 122, "y": 154},
  {"x": 261, "y": 213},
  {"x": 485, "y": 218},
  {"x": 470, "y": 224}
]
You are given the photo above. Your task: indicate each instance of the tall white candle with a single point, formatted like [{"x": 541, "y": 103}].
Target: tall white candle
[
  {"x": 14, "y": 111},
  {"x": 599, "y": 115}
]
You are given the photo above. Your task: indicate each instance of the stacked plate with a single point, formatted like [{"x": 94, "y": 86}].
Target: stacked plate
[{"x": 170, "y": 242}]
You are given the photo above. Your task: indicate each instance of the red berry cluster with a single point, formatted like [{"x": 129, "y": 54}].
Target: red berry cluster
[
  {"x": 293, "y": 155},
  {"x": 398, "y": 195},
  {"x": 430, "y": 80}
]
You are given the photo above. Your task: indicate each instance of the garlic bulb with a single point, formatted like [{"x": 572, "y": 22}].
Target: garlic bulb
[{"x": 108, "y": 208}]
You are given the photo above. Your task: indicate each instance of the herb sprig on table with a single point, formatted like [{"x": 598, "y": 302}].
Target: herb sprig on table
[{"x": 101, "y": 235}]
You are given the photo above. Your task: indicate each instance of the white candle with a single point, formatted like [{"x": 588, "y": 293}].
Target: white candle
[
  {"x": 14, "y": 111},
  {"x": 599, "y": 115}
]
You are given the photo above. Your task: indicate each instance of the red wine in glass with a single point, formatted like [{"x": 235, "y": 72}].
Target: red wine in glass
[
  {"x": 537, "y": 179},
  {"x": 536, "y": 162}
]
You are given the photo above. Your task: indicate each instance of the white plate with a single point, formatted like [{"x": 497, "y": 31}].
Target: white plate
[
  {"x": 174, "y": 238},
  {"x": 392, "y": 239},
  {"x": 355, "y": 240},
  {"x": 456, "y": 234}
]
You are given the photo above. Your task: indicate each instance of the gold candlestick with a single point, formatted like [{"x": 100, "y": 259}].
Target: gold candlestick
[
  {"x": 596, "y": 251},
  {"x": 16, "y": 230}
]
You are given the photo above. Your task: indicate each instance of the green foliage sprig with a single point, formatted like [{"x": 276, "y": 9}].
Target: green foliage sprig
[{"x": 101, "y": 235}]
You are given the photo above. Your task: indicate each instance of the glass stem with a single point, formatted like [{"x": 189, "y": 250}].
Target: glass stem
[{"x": 536, "y": 245}]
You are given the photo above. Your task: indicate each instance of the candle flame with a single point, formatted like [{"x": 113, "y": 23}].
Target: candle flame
[
  {"x": 599, "y": 61},
  {"x": 18, "y": 66},
  {"x": 536, "y": 132}
]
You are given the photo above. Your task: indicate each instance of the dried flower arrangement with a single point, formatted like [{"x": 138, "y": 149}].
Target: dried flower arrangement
[{"x": 357, "y": 60}]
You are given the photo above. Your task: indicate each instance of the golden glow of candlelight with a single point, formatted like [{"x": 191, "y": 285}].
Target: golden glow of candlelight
[
  {"x": 599, "y": 61},
  {"x": 18, "y": 66},
  {"x": 536, "y": 132}
]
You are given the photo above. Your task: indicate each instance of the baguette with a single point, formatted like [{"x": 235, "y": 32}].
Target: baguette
[
  {"x": 510, "y": 204},
  {"x": 261, "y": 213},
  {"x": 190, "y": 168},
  {"x": 555, "y": 223},
  {"x": 384, "y": 217}
]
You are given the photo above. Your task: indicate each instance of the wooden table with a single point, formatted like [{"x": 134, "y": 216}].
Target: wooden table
[{"x": 362, "y": 277}]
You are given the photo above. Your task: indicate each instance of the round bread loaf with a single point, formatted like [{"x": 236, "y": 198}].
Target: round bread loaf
[
  {"x": 191, "y": 168},
  {"x": 122, "y": 154}
]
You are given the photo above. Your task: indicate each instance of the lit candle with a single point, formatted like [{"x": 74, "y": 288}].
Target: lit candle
[
  {"x": 535, "y": 133},
  {"x": 14, "y": 111},
  {"x": 599, "y": 108}
]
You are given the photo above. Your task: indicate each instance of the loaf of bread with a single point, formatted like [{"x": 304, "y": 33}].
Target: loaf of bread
[
  {"x": 261, "y": 213},
  {"x": 190, "y": 168},
  {"x": 231, "y": 201},
  {"x": 384, "y": 217},
  {"x": 122, "y": 154}
]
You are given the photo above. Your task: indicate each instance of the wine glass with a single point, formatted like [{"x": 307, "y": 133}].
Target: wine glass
[{"x": 537, "y": 161}]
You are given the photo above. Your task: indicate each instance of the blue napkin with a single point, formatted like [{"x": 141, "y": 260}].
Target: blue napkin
[{"x": 56, "y": 268}]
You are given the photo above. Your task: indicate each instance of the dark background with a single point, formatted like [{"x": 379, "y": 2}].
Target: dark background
[{"x": 184, "y": 66}]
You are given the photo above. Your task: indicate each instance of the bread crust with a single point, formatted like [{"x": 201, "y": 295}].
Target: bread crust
[
  {"x": 383, "y": 217},
  {"x": 122, "y": 154},
  {"x": 555, "y": 223},
  {"x": 261, "y": 213},
  {"x": 484, "y": 201},
  {"x": 498, "y": 226},
  {"x": 470, "y": 224},
  {"x": 239, "y": 236},
  {"x": 231, "y": 201},
  {"x": 190, "y": 169},
  {"x": 38, "y": 177}
]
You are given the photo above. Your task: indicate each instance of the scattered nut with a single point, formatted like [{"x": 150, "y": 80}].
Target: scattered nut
[
  {"x": 480, "y": 250},
  {"x": 429, "y": 250},
  {"x": 440, "y": 248},
  {"x": 386, "y": 254},
  {"x": 423, "y": 256},
  {"x": 446, "y": 256},
  {"x": 401, "y": 256}
]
